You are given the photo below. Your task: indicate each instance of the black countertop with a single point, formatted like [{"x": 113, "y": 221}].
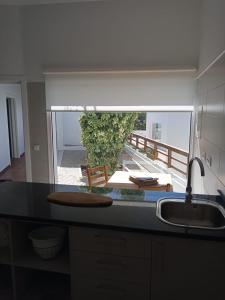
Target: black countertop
[{"x": 133, "y": 210}]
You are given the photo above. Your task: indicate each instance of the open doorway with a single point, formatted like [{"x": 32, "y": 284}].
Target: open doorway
[{"x": 12, "y": 154}]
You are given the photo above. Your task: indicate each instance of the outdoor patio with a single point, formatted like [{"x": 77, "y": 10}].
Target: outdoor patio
[{"x": 70, "y": 161}]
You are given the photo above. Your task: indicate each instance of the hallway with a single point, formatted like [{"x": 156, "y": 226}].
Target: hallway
[{"x": 15, "y": 172}]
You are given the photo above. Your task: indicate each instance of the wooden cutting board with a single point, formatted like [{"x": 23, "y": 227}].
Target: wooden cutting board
[{"x": 79, "y": 199}]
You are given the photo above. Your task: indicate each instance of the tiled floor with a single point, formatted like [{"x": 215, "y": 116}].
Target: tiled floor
[{"x": 16, "y": 172}]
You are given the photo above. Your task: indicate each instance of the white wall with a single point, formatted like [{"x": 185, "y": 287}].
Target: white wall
[
  {"x": 11, "y": 49},
  {"x": 159, "y": 88},
  {"x": 111, "y": 34},
  {"x": 175, "y": 127},
  {"x": 68, "y": 130},
  {"x": 210, "y": 145},
  {"x": 178, "y": 130},
  {"x": 71, "y": 129},
  {"x": 11, "y": 91}
]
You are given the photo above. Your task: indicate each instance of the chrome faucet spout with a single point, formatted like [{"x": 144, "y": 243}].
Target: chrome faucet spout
[{"x": 188, "y": 197}]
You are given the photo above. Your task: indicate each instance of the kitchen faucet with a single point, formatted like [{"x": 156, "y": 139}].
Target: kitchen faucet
[{"x": 188, "y": 196}]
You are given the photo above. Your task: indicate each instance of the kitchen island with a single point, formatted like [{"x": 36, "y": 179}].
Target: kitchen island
[{"x": 119, "y": 252}]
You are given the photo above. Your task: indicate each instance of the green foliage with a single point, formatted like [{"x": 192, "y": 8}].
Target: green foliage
[
  {"x": 104, "y": 135},
  {"x": 140, "y": 123}
]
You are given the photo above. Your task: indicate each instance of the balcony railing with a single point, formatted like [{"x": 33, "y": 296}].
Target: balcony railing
[{"x": 173, "y": 157}]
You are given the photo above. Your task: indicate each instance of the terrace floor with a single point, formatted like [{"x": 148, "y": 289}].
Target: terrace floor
[{"x": 69, "y": 170}]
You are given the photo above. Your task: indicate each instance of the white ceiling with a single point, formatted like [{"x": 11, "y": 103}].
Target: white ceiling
[{"x": 36, "y": 2}]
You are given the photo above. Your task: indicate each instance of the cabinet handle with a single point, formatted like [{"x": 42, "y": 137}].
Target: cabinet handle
[{"x": 111, "y": 263}]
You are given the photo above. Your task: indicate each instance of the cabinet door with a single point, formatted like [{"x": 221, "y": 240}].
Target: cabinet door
[
  {"x": 92, "y": 265},
  {"x": 6, "y": 286},
  {"x": 110, "y": 242},
  {"x": 108, "y": 289},
  {"x": 109, "y": 265},
  {"x": 187, "y": 269}
]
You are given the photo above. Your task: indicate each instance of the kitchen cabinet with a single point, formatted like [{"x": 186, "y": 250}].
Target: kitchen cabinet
[
  {"x": 187, "y": 269},
  {"x": 24, "y": 255},
  {"x": 110, "y": 264},
  {"x": 23, "y": 274},
  {"x": 6, "y": 283},
  {"x": 6, "y": 289},
  {"x": 107, "y": 264}
]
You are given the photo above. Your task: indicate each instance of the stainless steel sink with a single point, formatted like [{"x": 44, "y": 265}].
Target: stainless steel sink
[{"x": 197, "y": 214}]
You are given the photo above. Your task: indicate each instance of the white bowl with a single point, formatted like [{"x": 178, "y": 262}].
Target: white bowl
[
  {"x": 47, "y": 241},
  {"x": 48, "y": 253}
]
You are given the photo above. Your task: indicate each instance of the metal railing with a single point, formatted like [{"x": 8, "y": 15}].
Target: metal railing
[{"x": 171, "y": 156}]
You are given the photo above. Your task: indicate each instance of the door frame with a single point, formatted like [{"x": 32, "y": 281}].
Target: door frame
[
  {"x": 52, "y": 151},
  {"x": 12, "y": 126}
]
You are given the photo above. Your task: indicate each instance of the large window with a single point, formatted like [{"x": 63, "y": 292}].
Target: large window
[{"x": 89, "y": 138}]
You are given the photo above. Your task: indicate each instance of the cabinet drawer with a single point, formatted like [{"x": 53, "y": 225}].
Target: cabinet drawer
[
  {"x": 110, "y": 242},
  {"x": 91, "y": 265},
  {"x": 103, "y": 289}
]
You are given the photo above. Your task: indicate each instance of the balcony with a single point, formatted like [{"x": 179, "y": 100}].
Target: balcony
[{"x": 171, "y": 157}]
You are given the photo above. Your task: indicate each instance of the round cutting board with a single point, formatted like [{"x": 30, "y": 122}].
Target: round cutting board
[{"x": 79, "y": 199}]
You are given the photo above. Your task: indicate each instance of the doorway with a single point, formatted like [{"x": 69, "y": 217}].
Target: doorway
[{"x": 12, "y": 154}]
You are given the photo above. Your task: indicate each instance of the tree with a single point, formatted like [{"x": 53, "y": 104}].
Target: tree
[
  {"x": 104, "y": 135},
  {"x": 140, "y": 123}
]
